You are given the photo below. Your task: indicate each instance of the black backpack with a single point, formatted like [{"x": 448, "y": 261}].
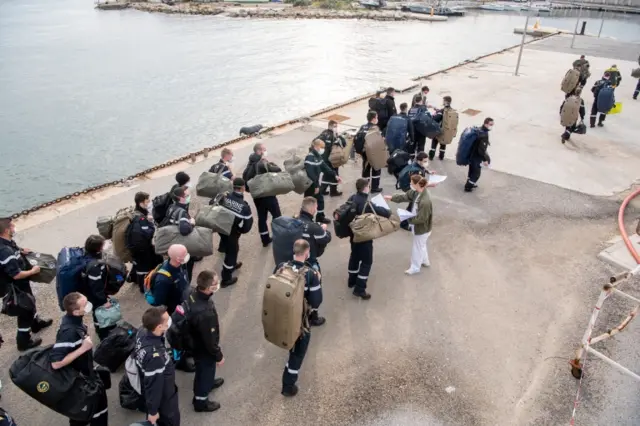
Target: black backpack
[
  {"x": 342, "y": 217},
  {"x": 179, "y": 335},
  {"x": 380, "y": 106},
  {"x": 358, "y": 141},
  {"x": 161, "y": 204}
]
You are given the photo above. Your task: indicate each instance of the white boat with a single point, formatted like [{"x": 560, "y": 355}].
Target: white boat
[
  {"x": 541, "y": 7},
  {"x": 492, "y": 6},
  {"x": 511, "y": 6}
]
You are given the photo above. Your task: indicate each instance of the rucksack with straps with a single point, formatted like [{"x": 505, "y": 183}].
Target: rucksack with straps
[
  {"x": 121, "y": 222},
  {"x": 149, "y": 282},
  {"x": 606, "y": 99},
  {"x": 570, "y": 81},
  {"x": 466, "y": 145},
  {"x": 217, "y": 168},
  {"x": 358, "y": 141},
  {"x": 284, "y": 307},
  {"x": 72, "y": 262},
  {"x": 449, "y": 126},
  {"x": 570, "y": 111},
  {"x": 133, "y": 370},
  {"x": 161, "y": 204},
  {"x": 342, "y": 217},
  {"x": 404, "y": 178},
  {"x": 179, "y": 336}
]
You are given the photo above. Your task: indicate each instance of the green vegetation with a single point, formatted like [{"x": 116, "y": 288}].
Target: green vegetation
[{"x": 322, "y": 4}]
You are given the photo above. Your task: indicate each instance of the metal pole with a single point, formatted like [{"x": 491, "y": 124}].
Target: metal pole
[
  {"x": 601, "y": 23},
  {"x": 524, "y": 34},
  {"x": 576, "y": 29},
  {"x": 612, "y": 363}
]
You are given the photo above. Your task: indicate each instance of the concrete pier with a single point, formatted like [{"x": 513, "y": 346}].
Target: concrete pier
[{"x": 483, "y": 336}]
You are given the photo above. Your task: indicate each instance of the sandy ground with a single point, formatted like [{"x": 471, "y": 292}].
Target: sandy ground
[{"x": 480, "y": 338}]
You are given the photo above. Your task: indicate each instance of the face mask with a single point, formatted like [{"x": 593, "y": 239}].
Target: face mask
[
  {"x": 321, "y": 151},
  {"x": 264, "y": 154},
  {"x": 169, "y": 323},
  {"x": 188, "y": 199},
  {"x": 230, "y": 160},
  {"x": 186, "y": 259},
  {"x": 88, "y": 308},
  {"x": 489, "y": 128},
  {"x": 215, "y": 288},
  {"x": 335, "y": 130}
]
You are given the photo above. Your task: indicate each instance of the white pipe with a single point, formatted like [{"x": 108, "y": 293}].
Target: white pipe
[{"x": 613, "y": 363}]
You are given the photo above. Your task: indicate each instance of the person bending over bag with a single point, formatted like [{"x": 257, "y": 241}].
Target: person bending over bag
[
  {"x": 73, "y": 350},
  {"x": 420, "y": 224}
]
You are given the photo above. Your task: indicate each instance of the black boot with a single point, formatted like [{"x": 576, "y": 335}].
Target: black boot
[
  {"x": 441, "y": 155},
  {"x": 324, "y": 220},
  {"x": 186, "y": 364},
  {"x": 265, "y": 243},
  {"x": 432, "y": 154},
  {"x": 232, "y": 281},
  {"x": 25, "y": 345},
  {"x": 592, "y": 122},
  {"x": 290, "y": 390},
  {"x": 205, "y": 406},
  {"x": 601, "y": 121},
  {"x": 40, "y": 324},
  {"x": 315, "y": 319}
]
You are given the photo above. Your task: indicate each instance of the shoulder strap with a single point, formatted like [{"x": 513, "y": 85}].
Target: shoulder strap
[{"x": 165, "y": 273}]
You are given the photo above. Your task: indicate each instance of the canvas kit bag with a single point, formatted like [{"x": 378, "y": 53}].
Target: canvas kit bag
[
  {"x": 211, "y": 184},
  {"x": 570, "y": 111},
  {"x": 107, "y": 317},
  {"x": 121, "y": 222},
  {"x": 199, "y": 242},
  {"x": 295, "y": 167},
  {"x": 376, "y": 149},
  {"x": 449, "y": 126},
  {"x": 47, "y": 264},
  {"x": 570, "y": 81},
  {"x": 216, "y": 217},
  {"x": 283, "y": 306},
  {"x": 270, "y": 184},
  {"x": 370, "y": 226},
  {"x": 105, "y": 227}
]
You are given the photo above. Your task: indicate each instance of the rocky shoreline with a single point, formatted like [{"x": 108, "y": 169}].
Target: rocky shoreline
[{"x": 281, "y": 12}]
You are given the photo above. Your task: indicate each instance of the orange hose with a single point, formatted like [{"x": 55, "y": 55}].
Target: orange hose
[{"x": 623, "y": 231}]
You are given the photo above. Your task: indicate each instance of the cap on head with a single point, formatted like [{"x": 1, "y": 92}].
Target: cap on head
[
  {"x": 177, "y": 252},
  {"x": 182, "y": 178},
  {"x": 238, "y": 183}
]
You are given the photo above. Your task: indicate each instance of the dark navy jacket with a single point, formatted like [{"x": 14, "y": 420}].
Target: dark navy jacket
[
  {"x": 94, "y": 286},
  {"x": 170, "y": 291},
  {"x": 260, "y": 167},
  {"x": 312, "y": 288},
  {"x": 481, "y": 152},
  {"x": 315, "y": 166},
  {"x": 399, "y": 129},
  {"x": 330, "y": 139},
  {"x": 140, "y": 233},
  {"x": 69, "y": 338},
  {"x": 11, "y": 264},
  {"x": 158, "y": 375},
  {"x": 178, "y": 214},
  {"x": 235, "y": 203},
  {"x": 317, "y": 237},
  {"x": 362, "y": 206},
  {"x": 204, "y": 326},
  {"x": 221, "y": 168}
]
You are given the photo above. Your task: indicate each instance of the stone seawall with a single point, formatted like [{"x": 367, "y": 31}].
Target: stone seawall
[{"x": 281, "y": 12}]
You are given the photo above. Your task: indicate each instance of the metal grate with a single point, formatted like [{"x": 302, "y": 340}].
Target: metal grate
[{"x": 471, "y": 112}]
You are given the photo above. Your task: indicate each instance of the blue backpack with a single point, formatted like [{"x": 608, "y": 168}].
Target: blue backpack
[
  {"x": 285, "y": 230},
  {"x": 606, "y": 99},
  {"x": 423, "y": 122},
  {"x": 396, "y": 134},
  {"x": 72, "y": 262},
  {"x": 466, "y": 145},
  {"x": 404, "y": 178}
]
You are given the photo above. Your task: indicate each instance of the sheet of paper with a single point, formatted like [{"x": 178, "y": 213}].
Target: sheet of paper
[
  {"x": 436, "y": 179},
  {"x": 404, "y": 214},
  {"x": 379, "y": 201}
]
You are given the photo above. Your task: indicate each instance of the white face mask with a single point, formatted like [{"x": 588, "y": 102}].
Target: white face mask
[
  {"x": 188, "y": 184},
  {"x": 264, "y": 153},
  {"x": 169, "y": 323},
  {"x": 88, "y": 308},
  {"x": 321, "y": 151},
  {"x": 230, "y": 160},
  {"x": 186, "y": 259}
]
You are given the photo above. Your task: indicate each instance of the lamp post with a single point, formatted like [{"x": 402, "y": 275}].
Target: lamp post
[{"x": 524, "y": 34}]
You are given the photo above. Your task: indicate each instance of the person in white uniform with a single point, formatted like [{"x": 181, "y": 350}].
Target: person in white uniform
[{"x": 420, "y": 224}]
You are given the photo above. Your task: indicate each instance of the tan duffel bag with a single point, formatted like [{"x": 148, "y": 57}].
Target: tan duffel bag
[
  {"x": 217, "y": 218},
  {"x": 336, "y": 158},
  {"x": 376, "y": 149},
  {"x": 370, "y": 226},
  {"x": 211, "y": 184},
  {"x": 270, "y": 184}
]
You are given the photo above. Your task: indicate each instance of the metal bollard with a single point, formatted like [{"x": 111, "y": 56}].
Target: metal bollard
[{"x": 584, "y": 27}]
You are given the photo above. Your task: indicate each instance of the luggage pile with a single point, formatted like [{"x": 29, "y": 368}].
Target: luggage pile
[
  {"x": 295, "y": 167},
  {"x": 113, "y": 351}
]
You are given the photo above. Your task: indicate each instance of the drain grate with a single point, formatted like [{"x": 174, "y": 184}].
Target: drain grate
[
  {"x": 337, "y": 117},
  {"x": 471, "y": 112}
]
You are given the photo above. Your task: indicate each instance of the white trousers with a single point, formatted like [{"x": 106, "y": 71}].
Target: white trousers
[{"x": 419, "y": 253}]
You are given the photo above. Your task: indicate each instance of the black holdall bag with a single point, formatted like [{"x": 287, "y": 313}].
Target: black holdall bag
[
  {"x": 65, "y": 391},
  {"x": 113, "y": 351},
  {"x": 48, "y": 266},
  {"x": 17, "y": 302}
]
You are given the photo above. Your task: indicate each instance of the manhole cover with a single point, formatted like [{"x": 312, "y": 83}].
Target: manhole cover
[
  {"x": 337, "y": 117},
  {"x": 471, "y": 112}
]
